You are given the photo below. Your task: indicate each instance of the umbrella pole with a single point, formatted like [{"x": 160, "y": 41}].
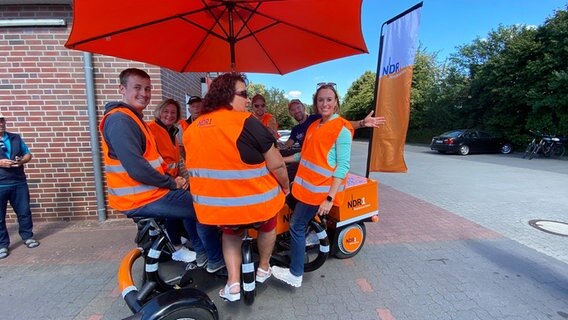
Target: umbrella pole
[{"x": 232, "y": 40}]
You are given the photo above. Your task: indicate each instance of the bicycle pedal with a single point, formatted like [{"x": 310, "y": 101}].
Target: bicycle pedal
[{"x": 191, "y": 266}]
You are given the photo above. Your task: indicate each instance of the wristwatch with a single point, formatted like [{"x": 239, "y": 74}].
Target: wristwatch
[{"x": 329, "y": 198}]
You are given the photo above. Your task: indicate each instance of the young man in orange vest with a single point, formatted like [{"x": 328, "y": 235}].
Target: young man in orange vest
[{"x": 136, "y": 173}]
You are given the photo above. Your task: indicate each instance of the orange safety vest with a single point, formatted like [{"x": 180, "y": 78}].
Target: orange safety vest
[
  {"x": 183, "y": 124},
  {"x": 266, "y": 118},
  {"x": 315, "y": 176},
  {"x": 125, "y": 193},
  {"x": 225, "y": 190},
  {"x": 168, "y": 150}
]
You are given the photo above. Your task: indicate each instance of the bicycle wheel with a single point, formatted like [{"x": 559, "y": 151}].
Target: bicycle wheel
[
  {"x": 316, "y": 253},
  {"x": 165, "y": 278},
  {"x": 248, "y": 275},
  {"x": 317, "y": 248},
  {"x": 529, "y": 149},
  {"x": 535, "y": 151},
  {"x": 191, "y": 312},
  {"x": 547, "y": 149}
]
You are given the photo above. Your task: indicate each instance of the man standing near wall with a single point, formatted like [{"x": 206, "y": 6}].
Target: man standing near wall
[{"x": 14, "y": 153}]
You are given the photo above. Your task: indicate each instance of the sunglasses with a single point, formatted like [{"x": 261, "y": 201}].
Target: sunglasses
[
  {"x": 242, "y": 94},
  {"x": 259, "y": 105},
  {"x": 330, "y": 84}
]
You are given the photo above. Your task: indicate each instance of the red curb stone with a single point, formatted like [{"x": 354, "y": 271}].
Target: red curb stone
[
  {"x": 348, "y": 262},
  {"x": 385, "y": 314},
  {"x": 364, "y": 285}
]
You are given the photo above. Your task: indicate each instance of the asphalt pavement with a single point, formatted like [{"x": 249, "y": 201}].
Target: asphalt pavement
[{"x": 453, "y": 242}]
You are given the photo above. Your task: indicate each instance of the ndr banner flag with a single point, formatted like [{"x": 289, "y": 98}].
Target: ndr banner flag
[{"x": 399, "y": 45}]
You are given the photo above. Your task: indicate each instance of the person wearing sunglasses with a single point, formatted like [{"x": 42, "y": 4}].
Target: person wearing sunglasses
[
  {"x": 14, "y": 153},
  {"x": 267, "y": 119},
  {"x": 298, "y": 111},
  {"x": 320, "y": 181},
  {"x": 237, "y": 175},
  {"x": 137, "y": 181}
]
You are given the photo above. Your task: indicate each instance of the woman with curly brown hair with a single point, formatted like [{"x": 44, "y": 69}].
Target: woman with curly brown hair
[{"x": 237, "y": 175}]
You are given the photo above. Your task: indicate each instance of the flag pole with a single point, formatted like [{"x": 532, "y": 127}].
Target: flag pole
[{"x": 377, "y": 80}]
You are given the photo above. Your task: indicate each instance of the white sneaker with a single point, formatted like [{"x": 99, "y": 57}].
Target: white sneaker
[
  {"x": 284, "y": 274},
  {"x": 184, "y": 254}
]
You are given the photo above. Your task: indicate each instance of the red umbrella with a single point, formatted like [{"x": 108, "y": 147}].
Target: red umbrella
[{"x": 270, "y": 36}]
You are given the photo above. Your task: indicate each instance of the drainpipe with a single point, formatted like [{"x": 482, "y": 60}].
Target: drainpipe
[{"x": 94, "y": 133}]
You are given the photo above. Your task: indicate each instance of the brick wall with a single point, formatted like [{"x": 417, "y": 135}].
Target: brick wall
[
  {"x": 43, "y": 97},
  {"x": 180, "y": 84}
]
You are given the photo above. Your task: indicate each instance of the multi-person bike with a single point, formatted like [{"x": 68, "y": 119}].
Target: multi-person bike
[{"x": 165, "y": 294}]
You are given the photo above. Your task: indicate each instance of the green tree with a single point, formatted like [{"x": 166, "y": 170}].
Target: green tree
[
  {"x": 548, "y": 95},
  {"x": 358, "y": 101},
  {"x": 423, "y": 95}
]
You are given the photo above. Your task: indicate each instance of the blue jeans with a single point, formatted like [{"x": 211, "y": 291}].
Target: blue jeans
[
  {"x": 175, "y": 230},
  {"x": 19, "y": 198},
  {"x": 178, "y": 204},
  {"x": 302, "y": 215}
]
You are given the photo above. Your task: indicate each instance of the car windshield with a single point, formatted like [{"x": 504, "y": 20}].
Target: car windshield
[{"x": 452, "y": 134}]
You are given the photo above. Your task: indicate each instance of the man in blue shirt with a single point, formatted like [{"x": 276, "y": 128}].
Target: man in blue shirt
[
  {"x": 298, "y": 111},
  {"x": 14, "y": 153}
]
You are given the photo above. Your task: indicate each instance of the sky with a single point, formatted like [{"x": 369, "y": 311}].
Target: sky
[{"x": 445, "y": 25}]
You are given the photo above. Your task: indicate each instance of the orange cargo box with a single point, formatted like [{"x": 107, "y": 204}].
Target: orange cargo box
[{"x": 361, "y": 201}]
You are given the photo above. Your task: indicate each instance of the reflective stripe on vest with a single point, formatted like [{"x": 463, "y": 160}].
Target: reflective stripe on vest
[
  {"x": 316, "y": 189},
  {"x": 236, "y": 201},
  {"x": 118, "y": 168},
  {"x": 314, "y": 167},
  {"x": 125, "y": 191},
  {"x": 228, "y": 174}
]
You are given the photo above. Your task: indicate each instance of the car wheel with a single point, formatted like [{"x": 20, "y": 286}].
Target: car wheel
[
  {"x": 464, "y": 150},
  {"x": 506, "y": 148}
]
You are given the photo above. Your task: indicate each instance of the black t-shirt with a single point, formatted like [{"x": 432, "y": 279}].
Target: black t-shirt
[{"x": 254, "y": 140}]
